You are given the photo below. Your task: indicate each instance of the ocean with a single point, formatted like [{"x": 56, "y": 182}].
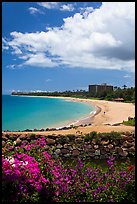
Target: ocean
[{"x": 20, "y": 112}]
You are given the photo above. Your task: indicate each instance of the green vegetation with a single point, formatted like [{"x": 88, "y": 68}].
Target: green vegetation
[
  {"x": 71, "y": 137},
  {"x": 98, "y": 136},
  {"x": 32, "y": 135},
  {"x": 62, "y": 140},
  {"x": 130, "y": 122},
  {"x": 90, "y": 136},
  {"x": 110, "y": 135},
  {"x": 33, "y": 175},
  {"x": 128, "y": 94}
]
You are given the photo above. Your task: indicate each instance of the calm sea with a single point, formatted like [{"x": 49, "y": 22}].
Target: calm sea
[{"x": 20, "y": 113}]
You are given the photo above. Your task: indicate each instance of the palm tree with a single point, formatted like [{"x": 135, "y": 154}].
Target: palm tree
[
  {"x": 115, "y": 88},
  {"x": 124, "y": 86}
]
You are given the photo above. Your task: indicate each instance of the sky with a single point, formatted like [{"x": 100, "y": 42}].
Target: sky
[{"x": 58, "y": 46}]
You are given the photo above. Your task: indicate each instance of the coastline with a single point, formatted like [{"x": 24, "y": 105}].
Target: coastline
[
  {"x": 88, "y": 119},
  {"x": 115, "y": 113}
]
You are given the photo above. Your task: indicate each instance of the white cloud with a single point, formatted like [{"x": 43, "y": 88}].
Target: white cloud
[
  {"x": 67, "y": 7},
  {"x": 49, "y": 5},
  {"x": 85, "y": 11},
  {"x": 48, "y": 80},
  {"x": 40, "y": 60},
  {"x": 15, "y": 66},
  {"x": 57, "y": 5},
  {"x": 12, "y": 66},
  {"x": 16, "y": 51},
  {"x": 5, "y": 45},
  {"x": 127, "y": 76},
  {"x": 105, "y": 38},
  {"x": 34, "y": 10},
  {"x": 39, "y": 90}
]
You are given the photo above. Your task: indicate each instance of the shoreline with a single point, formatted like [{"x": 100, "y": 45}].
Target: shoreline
[
  {"x": 88, "y": 119},
  {"x": 115, "y": 113}
]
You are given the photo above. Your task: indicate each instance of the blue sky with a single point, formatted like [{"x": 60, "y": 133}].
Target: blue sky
[{"x": 58, "y": 46}]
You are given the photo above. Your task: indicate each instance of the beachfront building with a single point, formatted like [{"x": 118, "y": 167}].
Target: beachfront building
[{"x": 99, "y": 89}]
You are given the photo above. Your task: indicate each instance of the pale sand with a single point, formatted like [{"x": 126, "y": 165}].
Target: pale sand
[
  {"x": 81, "y": 130},
  {"x": 115, "y": 112}
]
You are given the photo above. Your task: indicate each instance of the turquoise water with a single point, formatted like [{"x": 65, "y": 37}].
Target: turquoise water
[{"x": 20, "y": 113}]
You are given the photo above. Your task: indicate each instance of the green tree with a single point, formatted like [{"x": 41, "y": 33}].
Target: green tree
[{"x": 124, "y": 86}]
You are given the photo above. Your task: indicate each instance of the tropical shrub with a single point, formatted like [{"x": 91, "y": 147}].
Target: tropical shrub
[
  {"x": 71, "y": 137},
  {"x": 31, "y": 174},
  {"x": 130, "y": 122}
]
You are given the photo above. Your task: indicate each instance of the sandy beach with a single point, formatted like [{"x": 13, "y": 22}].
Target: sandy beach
[{"x": 115, "y": 112}]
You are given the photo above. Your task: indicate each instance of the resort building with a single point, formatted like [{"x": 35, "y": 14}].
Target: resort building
[{"x": 98, "y": 89}]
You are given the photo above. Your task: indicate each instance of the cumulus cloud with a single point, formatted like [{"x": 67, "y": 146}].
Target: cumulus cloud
[
  {"x": 86, "y": 10},
  {"x": 5, "y": 45},
  {"x": 67, "y": 7},
  {"x": 57, "y": 5},
  {"x": 34, "y": 10},
  {"x": 102, "y": 38},
  {"x": 40, "y": 60},
  {"x": 49, "y": 5}
]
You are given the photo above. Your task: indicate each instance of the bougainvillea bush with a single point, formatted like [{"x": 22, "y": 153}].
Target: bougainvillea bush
[{"x": 31, "y": 174}]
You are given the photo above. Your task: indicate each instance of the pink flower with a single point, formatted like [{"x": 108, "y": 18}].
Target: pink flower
[{"x": 87, "y": 184}]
